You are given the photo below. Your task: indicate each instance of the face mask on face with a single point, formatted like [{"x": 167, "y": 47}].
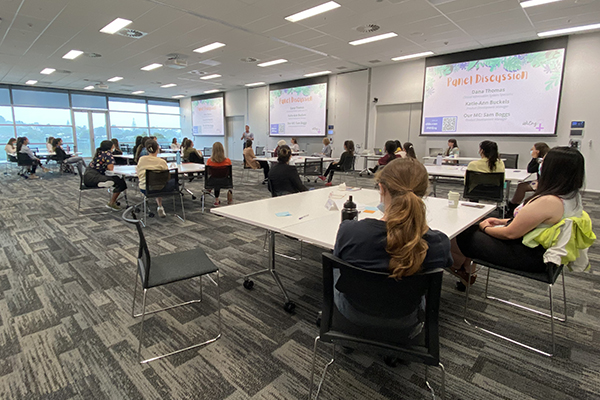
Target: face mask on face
[{"x": 531, "y": 153}]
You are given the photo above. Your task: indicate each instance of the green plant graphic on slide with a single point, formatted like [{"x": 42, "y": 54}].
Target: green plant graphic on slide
[
  {"x": 317, "y": 91},
  {"x": 550, "y": 61}
]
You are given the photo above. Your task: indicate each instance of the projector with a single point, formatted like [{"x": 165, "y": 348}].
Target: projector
[
  {"x": 176, "y": 63},
  {"x": 102, "y": 86}
]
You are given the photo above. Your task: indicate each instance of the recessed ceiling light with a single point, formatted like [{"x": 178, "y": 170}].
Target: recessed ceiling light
[
  {"x": 213, "y": 76},
  {"x": 31, "y": 82},
  {"x": 274, "y": 62},
  {"x": 89, "y": 87},
  {"x": 178, "y": 96},
  {"x": 373, "y": 38},
  {"x": 533, "y": 3},
  {"x": 212, "y": 91},
  {"x": 417, "y": 55},
  {"x": 569, "y": 30},
  {"x": 209, "y": 47},
  {"x": 115, "y": 79},
  {"x": 311, "y": 12},
  {"x": 168, "y": 85},
  {"x": 115, "y": 26},
  {"x": 151, "y": 67},
  {"x": 47, "y": 71},
  {"x": 73, "y": 54},
  {"x": 138, "y": 92},
  {"x": 255, "y": 84},
  {"x": 318, "y": 73}
]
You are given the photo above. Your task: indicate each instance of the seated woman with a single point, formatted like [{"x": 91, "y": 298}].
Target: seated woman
[
  {"x": 174, "y": 145},
  {"x": 284, "y": 178},
  {"x": 11, "y": 150},
  {"x": 490, "y": 160},
  {"x": 345, "y": 163},
  {"x": 141, "y": 150},
  {"x": 452, "y": 150},
  {"x": 49, "y": 144},
  {"x": 409, "y": 150},
  {"x": 138, "y": 143},
  {"x": 252, "y": 162},
  {"x": 95, "y": 173},
  {"x": 295, "y": 147},
  {"x": 326, "y": 151},
  {"x": 538, "y": 152},
  {"x": 390, "y": 154},
  {"x": 61, "y": 156},
  {"x": 218, "y": 159},
  {"x": 116, "y": 149},
  {"x": 399, "y": 243},
  {"x": 501, "y": 240},
  {"x": 24, "y": 152},
  {"x": 190, "y": 154},
  {"x": 154, "y": 163},
  {"x": 279, "y": 144}
]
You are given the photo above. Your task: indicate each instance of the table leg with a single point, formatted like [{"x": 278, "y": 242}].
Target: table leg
[{"x": 434, "y": 183}]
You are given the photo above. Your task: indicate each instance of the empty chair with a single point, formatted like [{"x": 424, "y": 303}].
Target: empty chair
[
  {"x": 260, "y": 150},
  {"x": 207, "y": 152},
  {"x": 312, "y": 167},
  {"x": 510, "y": 160},
  {"x": 487, "y": 186}
]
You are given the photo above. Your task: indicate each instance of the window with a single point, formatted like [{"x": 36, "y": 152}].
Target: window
[
  {"x": 4, "y": 97},
  {"x": 127, "y": 135},
  {"x": 6, "y": 132},
  {"x": 166, "y": 135},
  {"x": 42, "y": 116},
  {"x": 164, "y": 121},
  {"x": 41, "y": 133},
  {"x": 126, "y": 104},
  {"x": 6, "y": 115},
  {"x": 39, "y": 98},
  {"x": 163, "y": 107},
  {"x": 128, "y": 119},
  {"x": 88, "y": 101}
]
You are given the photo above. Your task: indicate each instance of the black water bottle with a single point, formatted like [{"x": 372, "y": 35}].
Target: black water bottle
[{"x": 349, "y": 211}]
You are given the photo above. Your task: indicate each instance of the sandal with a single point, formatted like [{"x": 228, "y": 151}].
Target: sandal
[{"x": 463, "y": 276}]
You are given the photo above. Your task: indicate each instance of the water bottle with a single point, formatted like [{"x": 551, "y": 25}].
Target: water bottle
[
  {"x": 178, "y": 157},
  {"x": 438, "y": 160},
  {"x": 349, "y": 211}
]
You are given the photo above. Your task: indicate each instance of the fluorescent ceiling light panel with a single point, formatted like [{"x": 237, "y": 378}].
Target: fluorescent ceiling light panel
[
  {"x": 318, "y": 73},
  {"x": 47, "y": 71},
  {"x": 212, "y": 91},
  {"x": 151, "y": 67},
  {"x": 533, "y": 3},
  {"x": 31, "y": 82},
  {"x": 255, "y": 84},
  {"x": 89, "y": 87},
  {"x": 209, "y": 47},
  {"x": 115, "y": 79},
  {"x": 311, "y": 12},
  {"x": 274, "y": 62},
  {"x": 138, "y": 92},
  {"x": 417, "y": 55},
  {"x": 569, "y": 30},
  {"x": 168, "y": 85},
  {"x": 178, "y": 96},
  {"x": 115, "y": 26},
  {"x": 213, "y": 76},
  {"x": 73, "y": 54},
  {"x": 374, "y": 38}
]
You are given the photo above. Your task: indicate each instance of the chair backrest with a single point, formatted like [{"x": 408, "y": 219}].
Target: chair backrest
[
  {"x": 23, "y": 160},
  {"x": 510, "y": 160},
  {"x": 207, "y": 152},
  {"x": 218, "y": 177},
  {"x": 376, "y": 294},
  {"x": 156, "y": 180},
  {"x": 195, "y": 158},
  {"x": 348, "y": 165},
  {"x": 313, "y": 167},
  {"x": 125, "y": 148},
  {"x": 484, "y": 186},
  {"x": 144, "y": 261},
  {"x": 260, "y": 150},
  {"x": 81, "y": 171}
]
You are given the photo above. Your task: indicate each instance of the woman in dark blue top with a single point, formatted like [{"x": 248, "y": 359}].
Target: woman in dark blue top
[{"x": 345, "y": 164}]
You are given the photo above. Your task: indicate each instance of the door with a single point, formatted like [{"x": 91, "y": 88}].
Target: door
[
  {"x": 90, "y": 130},
  {"x": 233, "y": 135}
]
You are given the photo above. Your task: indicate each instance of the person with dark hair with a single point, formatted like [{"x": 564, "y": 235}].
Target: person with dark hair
[
  {"x": 25, "y": 152},
  {"x": 501, "y": 240},
  {"x": 174, "y": 145},
  {"x": 284, "y": 178},
  {"x": 138, "y": 143},
  {"x": 190, "y": 154},
  {"x": 49, "y": 144},
  {"x": 141, "y": 150},
  {"x": 400, "y": 243},
  {"x": 11, "y": 150},
  {"x": 390, "y": 154},
  {"x": 217, "y": 160},
  {"x": 452, "y": 150},
  {"x": 409, "y": 149},
  {"x": 398, "y": 146},
  {"x": 345, "y": 164},
  {"x": 490, "y": 160},
  {"x": 116, "y": 149},
  {"x": 154, "y": 163},
  {"x": 252, "y": 162},
  {"x": 295, "y": 147},
  {"x": 95, "y": 173},
  {"x": 62, "y": 157},
  {"x": 538, "y": 152}
]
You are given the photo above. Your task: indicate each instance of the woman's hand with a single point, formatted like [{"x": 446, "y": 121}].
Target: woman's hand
[{"x": 490, "y": 222}]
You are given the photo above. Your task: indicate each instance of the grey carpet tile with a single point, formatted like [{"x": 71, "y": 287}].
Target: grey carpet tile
[{"x": 66, "y": 331}]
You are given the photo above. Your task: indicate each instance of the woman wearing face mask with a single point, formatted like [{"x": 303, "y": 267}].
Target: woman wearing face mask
[
  {"x": 399, "y": 243},
  {"x": 538, "y": 152}
]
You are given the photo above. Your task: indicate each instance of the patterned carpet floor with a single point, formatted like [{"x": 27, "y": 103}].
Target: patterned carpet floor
[{"x": 66, "y": 332}]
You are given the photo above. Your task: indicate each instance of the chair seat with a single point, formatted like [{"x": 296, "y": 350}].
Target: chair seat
[
  {"x": 548, "y": 276},
  {"x": 179, "y": 266}
]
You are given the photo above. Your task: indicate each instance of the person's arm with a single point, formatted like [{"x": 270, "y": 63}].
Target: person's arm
[
  {"x": 546, "y": 209},
  {"x": 533, "y": 167}
]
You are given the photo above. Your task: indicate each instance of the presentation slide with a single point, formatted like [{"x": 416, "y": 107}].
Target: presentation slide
[
  {"x": 513, "y": 95},
  {"x": 208, "y": 117},
  {"x": 299, "y": 111}
]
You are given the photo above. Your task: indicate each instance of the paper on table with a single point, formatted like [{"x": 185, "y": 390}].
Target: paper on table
[{"x": 283, "y": 214}]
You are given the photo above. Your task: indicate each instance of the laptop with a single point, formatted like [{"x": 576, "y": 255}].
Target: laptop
[{"x": 378, "y": 151}]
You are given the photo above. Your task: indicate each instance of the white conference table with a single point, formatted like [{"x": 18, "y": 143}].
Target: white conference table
[
  {"x": 448, "y": 158},
  {"x": 310, "y": 221},
  {"x": 295, "y": 159},
  {"x": 130, "y": 157}
]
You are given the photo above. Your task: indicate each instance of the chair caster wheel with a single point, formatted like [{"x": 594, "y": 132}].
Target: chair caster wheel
[
  {"x": 151, "y": 215},
  {"x": 118, "y": 203},
  {"x": 248, "y": 284},
  {"x": 289, "y": 307},
  {"x": 461, "y": 286},
  {"x": 391, "y": 361},
  {"x": 193, "y": 197}
]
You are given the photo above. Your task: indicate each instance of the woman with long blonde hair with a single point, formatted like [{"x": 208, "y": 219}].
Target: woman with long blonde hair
[{"x": 399, "y": 243}]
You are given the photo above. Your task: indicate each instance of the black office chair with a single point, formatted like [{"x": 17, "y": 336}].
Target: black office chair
[
  {"x": 108, "y": 186},
  {"x": 349, "y": 169},
  {"x": 487, "y": 186},
  {"x": 165, "y": 269},
  {"x": 260, "y": 150},
  {"x": 216, "y": 178},
  {"x": 312, "y": 167},
  {"x": 25, "y": 163},
  {"x": 375, "y": 293},
  {"x": 511, "y": 161},
  {"x": 155, "y": 184}
]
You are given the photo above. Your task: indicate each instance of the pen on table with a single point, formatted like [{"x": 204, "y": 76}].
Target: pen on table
[{"x": 304, "y": 216}]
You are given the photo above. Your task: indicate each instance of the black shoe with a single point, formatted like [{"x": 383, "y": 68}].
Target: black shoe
[{"x": 264, "y": 182}]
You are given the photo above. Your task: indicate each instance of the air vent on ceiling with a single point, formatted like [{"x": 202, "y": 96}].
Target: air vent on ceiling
[
  {"x": 92, "y": 55},
  {"x": 342, "y": 67},
  {"x": 368, "y": 28},
  {"x": 176, "y": 61},
  {"x": 250, "y": 60},
  {"x": 374, "y": 61},
  {"x": 101, "y": 86},
  {"x": 196, "y": 72},
  {"x": 62, "y": 71},
  {"x": 131, "y": 33}
]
